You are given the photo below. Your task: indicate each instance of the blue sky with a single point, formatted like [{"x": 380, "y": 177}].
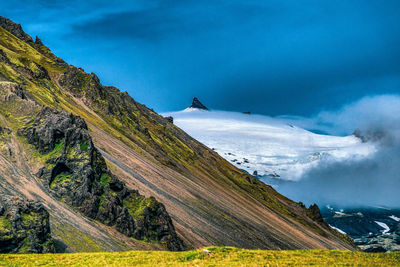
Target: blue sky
[{"x": 270, "y": 57}]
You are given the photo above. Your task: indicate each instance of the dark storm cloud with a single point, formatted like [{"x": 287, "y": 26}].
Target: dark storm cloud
[
  {"x": 176, "y": 18},
  {"x": 254, "y": 55},
  {"x": 270, "y": 57}
]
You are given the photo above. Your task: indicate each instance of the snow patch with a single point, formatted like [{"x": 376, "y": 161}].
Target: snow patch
[
  {"x": 337, "y": 229},
  {"x": 194, "y": 110},
  {"x": 384, "y": 226},
  {"x": 397, "y": 219}
]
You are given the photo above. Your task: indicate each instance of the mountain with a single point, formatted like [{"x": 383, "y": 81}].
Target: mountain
[
  {"x": 114, "y": 175},
  {"x": 197, "y": 105}
]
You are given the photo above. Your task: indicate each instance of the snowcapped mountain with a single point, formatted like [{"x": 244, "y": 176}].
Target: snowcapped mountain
[{"x": 268, "y": 147}]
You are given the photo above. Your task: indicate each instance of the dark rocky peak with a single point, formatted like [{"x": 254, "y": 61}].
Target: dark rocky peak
[
  {"x": 169, "y": 119},
  {"x": 25, "y": 226},
  {"x": 197, "y": 104},
  {"x": 95, "y": 78},
  {"x": 38, "y": 41},
  {"x": 15, "y": 29},
  {"x": 315, "y": 213}
]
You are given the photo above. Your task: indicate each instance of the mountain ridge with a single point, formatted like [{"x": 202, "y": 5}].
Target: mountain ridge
[{"x": 210, "y": 201}]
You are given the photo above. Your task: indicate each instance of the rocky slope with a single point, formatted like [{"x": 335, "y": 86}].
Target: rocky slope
[
  {"x": 77, "y": 174},
  {"x": 88, "y": 168},
  {"x": 24, "y": 227}
]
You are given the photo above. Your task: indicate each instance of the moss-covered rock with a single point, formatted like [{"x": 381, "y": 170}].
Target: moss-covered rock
[
  {"x": 76, "y": 173},
  {"x": 24, "y": 227}
]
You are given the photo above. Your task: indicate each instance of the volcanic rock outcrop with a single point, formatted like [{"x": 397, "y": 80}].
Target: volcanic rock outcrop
[
  {"x": 76, "y": 173},
  {"x": 24, "y": 226}
]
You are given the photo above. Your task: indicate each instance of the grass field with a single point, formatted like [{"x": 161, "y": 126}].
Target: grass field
[{"x": 218, "y": 256}]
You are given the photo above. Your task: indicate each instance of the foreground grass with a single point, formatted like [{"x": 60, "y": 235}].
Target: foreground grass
[{"x": 218, "y": 256}]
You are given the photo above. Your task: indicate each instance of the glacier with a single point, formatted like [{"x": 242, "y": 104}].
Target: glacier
[{"x": 268, "y": 147}]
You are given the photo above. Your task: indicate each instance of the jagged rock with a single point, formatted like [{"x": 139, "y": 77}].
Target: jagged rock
[
  {"x": 316, "y": 213},
  {"x": 19, "y": 91},
  {"x": 77, "y": 173},
  {"x": 170, "y": 119},
  {"x": 12, "y": 90},
  {"x": 155, "y": 221},
  {"x": 197, "y": 104},
  {"x": 124, "y": 223},
  {"x": 38, "y": 41},
  {"x": 24, "y": 226},
  {"x": 14, "y": 29},
  {"x": 73, "y": 79}
]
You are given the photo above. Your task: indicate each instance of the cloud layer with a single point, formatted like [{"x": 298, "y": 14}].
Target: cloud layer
[{"x": 372, "y": 181}]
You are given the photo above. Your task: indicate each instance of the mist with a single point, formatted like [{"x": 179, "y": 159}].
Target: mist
[{"x": 372, "y": 181}]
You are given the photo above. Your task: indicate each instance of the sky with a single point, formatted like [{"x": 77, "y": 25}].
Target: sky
[{"x": 269, "y": 57}]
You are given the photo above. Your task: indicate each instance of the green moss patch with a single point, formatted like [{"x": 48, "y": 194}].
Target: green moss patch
[
  {"x": 28, "y": 218},
  {"x": 137, "y": 204},
  {"x": 61, "y": 179},
  {"x": 5, "y": 227},
  {"x": 105, "y": 179},
  {"x": 84, "y": 146}
]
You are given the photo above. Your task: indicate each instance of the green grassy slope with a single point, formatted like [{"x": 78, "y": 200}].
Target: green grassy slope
[{"x": 217, "y": 256}]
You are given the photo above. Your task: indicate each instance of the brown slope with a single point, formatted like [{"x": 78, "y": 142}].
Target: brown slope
[
  {"x": 207, "y": 212},
  {"x": 210, "y": 201}
]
